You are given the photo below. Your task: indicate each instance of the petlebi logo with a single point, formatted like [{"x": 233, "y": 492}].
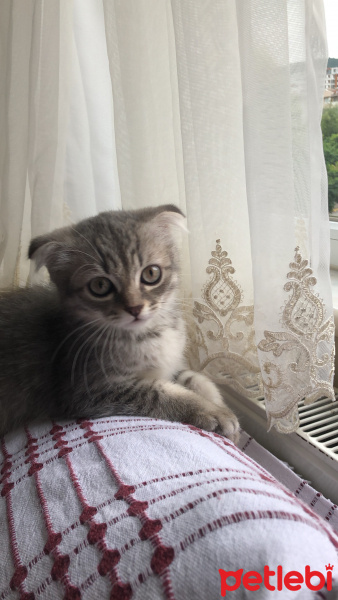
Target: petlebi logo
[{"x": 276, "y": 579}]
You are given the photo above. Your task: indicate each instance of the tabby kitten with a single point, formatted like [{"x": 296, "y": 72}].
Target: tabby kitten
[{"x": 107, "y": 337}]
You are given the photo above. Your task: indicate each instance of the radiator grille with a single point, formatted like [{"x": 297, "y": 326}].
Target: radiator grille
[{"x": 318, "y": 424}]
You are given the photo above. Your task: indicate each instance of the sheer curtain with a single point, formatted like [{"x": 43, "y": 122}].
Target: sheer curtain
[{"x": 214, "y": 105}]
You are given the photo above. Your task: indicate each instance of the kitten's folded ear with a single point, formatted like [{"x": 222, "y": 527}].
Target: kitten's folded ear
[
  {"x": 49, "y": 248},
  {"x": 169, "y": 215}
]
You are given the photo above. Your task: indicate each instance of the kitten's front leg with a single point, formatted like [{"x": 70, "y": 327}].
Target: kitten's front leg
[
  {"x": 163, "y": 399},
  {"x": 201, "y": 385}
]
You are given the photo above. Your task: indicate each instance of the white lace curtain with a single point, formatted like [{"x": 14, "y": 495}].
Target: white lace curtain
[{"x": 214, "y": 105}]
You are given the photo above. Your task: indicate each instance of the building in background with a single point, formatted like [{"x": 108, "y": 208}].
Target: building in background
[{"x": 331, "y": 80}]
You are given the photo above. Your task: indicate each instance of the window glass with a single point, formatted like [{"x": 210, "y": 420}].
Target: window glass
[{"x": 330, "y": 110}]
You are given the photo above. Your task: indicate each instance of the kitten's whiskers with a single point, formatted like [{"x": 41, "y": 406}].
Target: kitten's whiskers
[
  {"x": 96, "y": 341},
  {"x": 70, "y": 335},
  {"x": 82, "y": 335},
  {"x": 88, "y": 242},
  {"x": 82, "y": 252},
  {"x": 78, "y": 354},
  {"x": 103, "y": 352},
  {"x": 89, "y": 265}
]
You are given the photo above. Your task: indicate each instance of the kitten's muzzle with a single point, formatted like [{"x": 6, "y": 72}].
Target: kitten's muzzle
[{"x": 134, "y": 310}]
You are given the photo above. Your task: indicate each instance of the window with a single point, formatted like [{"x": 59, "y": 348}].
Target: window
[{"x": 330, "y": 111}]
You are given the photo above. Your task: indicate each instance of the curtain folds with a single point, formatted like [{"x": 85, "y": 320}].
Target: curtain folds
[
  {"x": 214, "y": 105},
  {"x": 35, "y": 49}
]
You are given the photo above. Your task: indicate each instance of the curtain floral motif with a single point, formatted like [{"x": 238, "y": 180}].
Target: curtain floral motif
[
  {"x": 221, "y": 333},
  {"x": 222, "y": 342},
  {"x": 308, "y": 367}
]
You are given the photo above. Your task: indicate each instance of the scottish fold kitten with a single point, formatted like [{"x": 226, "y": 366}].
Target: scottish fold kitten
[{"x": 107, "y": 337}]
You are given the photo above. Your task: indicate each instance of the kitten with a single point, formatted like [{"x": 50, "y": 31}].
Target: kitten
[{"x": 107, "y": 337}]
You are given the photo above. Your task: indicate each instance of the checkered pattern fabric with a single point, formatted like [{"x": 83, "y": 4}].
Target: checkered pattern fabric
[{"x": 139, "y": 508}]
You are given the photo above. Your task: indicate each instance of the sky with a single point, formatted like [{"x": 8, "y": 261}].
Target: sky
[{"x": 331, "y": 14}]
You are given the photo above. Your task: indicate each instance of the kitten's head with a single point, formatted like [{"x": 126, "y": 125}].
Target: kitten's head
[{"x": 120, "y": 267}]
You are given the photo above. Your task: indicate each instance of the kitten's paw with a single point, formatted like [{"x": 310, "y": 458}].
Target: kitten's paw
[
  {"x": 201, "y": 385},
  {"x": 221, "y": 420}
]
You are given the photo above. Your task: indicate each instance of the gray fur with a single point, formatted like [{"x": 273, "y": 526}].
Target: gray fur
[{"x": 66, "y": 353}]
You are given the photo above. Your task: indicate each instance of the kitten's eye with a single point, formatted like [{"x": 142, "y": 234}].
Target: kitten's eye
[
  {"x": 151, "y": 275},
  {"x": 100, "y": 286}
]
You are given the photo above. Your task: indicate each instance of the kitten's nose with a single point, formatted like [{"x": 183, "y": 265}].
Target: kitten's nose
[{"x": 134, "y": 310}]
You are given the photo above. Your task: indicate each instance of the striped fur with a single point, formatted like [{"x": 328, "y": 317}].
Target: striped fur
[{"x": 74, "y": 350}]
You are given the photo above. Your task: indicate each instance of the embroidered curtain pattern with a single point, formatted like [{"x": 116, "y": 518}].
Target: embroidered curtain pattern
[{"x": 214, "y": 105}]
